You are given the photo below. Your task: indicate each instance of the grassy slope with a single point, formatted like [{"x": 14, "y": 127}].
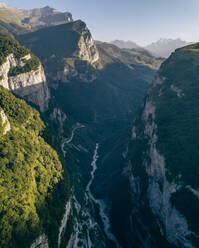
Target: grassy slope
[
  {"x": 111, "y": 53},
  {"x": 18, "y": 21},
  {"x": 11, "y": 21}
]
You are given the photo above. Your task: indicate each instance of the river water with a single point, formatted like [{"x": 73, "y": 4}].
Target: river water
[{"x": 102, "y": 206}]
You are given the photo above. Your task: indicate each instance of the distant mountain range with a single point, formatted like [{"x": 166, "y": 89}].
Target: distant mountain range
[
  {"x": 164, "y": 47},
  {"x": 125, "y": 44},
  {"x": 17, "y": 20},
  {"x": 161, "y": 48}
]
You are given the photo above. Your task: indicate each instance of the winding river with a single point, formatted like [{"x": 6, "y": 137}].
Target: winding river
[
  {"x": 102, "y": 207},
  {"x": 100, "y": 203},
  {"x": 68, "y": 204},
  {"x": 68, "y": 140}
]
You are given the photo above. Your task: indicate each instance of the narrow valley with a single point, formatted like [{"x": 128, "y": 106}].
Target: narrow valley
[{"x": 86, "y": 131}]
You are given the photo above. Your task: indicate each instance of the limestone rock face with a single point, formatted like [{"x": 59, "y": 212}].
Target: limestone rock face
[
  {"x": 41, "y": 242},
  {"x": 158, "y": 185},
  {"x": 85, "y": 56},
  {"x": 59, "y": 117},
  {"x": 30, "y": 85},
  {"x": 5, "y": 122},
  {"x": 68, "y": 74},
  {"x": 159, "y": 192},
  {"x": 87, "y": 48},
  {"x": 65, "y": 59}
]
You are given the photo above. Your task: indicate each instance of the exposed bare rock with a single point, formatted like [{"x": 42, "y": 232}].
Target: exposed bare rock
[
  {"x": 158, "y": 188},
  {"x": 70, "y": 73},
  {"x": 59, "y": 117},
  {"x": 41, "y": 242},
  {"x": 178, "y": 91},
  {"x": 87, "y": 48},
  {"x": 30, "y": 85},
  {"x": 5, "y": 122}
]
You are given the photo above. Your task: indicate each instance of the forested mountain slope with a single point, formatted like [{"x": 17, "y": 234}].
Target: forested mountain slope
[
  {"x": 31, "y": 174},
  {"x": 162, "y": 157}
]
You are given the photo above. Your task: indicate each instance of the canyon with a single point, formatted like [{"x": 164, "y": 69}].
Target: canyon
[{"x": 92, "y": 166}]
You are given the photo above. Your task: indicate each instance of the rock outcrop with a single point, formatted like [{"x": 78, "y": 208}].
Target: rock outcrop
[
  {"x": 30, "y": 85},
  {"x": 41, "y": 242},
  {"x": 66, "y": 59},
  {"x": 172, "y": 224},
  {"x": 86, "y": 55},
  {"x": 87, "y": 48},
  {"x": 87, "y": 75},
  {"x": 59, "y": 117},
  {"x": 5, "y": 123}
]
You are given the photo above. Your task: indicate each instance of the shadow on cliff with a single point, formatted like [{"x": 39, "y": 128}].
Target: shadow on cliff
[
  {"x": 116, "y": 93},
  {"x": 36, "y": 95}
]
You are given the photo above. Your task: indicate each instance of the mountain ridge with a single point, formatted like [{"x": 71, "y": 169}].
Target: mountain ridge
[
  {"x": 164, "y": 47},
  {"x": 125, "y": 44},
  {"x": 165, "y": 179},
  {"x": 160, "y": 48},
  {"x": 16, "y": 20}
]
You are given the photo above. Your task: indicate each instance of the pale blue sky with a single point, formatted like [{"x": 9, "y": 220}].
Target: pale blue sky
[{"x": 142, "y": 21}]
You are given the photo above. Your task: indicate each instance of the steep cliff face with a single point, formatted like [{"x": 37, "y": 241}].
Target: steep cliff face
[
  {"x": 23, "y": 75},
  {"x": 68, "y": 52},
  {"x": 162, "y": 158},
  {"x": 87, "y": 48}
]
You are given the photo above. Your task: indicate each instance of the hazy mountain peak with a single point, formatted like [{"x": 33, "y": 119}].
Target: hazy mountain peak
[
  {"x": 6, "y": 6},
  {"x": 124, "y": 44},
  {"x": 164, "y": 47},
  {"x": 3, "y": 5}
]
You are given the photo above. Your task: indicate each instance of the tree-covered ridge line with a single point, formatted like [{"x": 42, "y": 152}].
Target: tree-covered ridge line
[
  {"x": 178, "y": 124},
  {"x": 134, "y": 58},
  {"x": 8, "y": 45},
  {"x": 31, "y": 64},
  {"x": 31, "y": 177}
]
